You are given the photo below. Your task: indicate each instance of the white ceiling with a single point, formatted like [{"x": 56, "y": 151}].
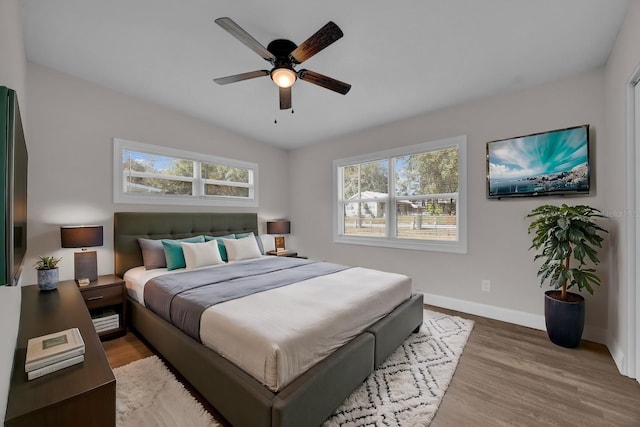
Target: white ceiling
[{"x": 403, "y": 58}]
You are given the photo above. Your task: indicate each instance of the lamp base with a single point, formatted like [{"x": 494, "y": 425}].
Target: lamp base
[
  {"x": 279, "y": 243},
  {"x": 85, "y": 266}
]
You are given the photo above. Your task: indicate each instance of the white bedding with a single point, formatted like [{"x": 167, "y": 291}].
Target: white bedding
[{"x": 278, "y": 334}]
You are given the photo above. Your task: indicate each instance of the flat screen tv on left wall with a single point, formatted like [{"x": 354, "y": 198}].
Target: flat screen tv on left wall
[{"x": 14, "y": 161}]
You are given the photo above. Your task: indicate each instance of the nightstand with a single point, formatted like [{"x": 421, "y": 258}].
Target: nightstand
[
  {"x": 106, "y": 300},
  {"x": 288, "y": 253}
]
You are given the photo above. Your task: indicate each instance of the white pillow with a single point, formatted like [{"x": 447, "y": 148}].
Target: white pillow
[
  {"x": 239, "y": 249},
  {"x": 267, "y": 242},
  {"x": 201, "y": 254}
]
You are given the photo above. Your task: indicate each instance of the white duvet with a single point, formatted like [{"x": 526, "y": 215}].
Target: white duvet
[{"x": 278, "y": 334}]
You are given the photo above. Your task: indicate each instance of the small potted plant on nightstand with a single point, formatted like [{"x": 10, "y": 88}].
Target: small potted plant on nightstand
[
  {"x": 48, "y": 275},
  {"x": 562, "y": 233}
]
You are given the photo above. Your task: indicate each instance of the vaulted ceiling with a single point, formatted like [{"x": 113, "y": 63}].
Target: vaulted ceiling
[{"x": 402, "y": 58}]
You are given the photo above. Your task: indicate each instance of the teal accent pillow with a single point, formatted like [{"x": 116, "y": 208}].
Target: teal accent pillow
[
  {"x": 173, "y": 251},
  {"x": 258, "y": 240},
  {"x": 221, "y": 248},
  {"x": 243, "y": 235}
]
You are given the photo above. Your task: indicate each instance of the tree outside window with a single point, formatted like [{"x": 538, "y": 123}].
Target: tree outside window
[
  {"x": 407, "y": 195},
  {"x": 150, "y": 174}
]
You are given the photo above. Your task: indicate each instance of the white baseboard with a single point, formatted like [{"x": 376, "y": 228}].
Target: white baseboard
[
  {"x": 618, "y": 357},
  {"x": 530, "y": 320}
]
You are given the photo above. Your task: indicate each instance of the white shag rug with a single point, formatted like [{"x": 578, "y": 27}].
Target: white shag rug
[
  {"x": 405, "y": 390},
  {"x": 147, "y": 394}
]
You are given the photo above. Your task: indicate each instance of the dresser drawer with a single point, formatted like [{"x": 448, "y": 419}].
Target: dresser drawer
[{"x": 103, "y": 296}]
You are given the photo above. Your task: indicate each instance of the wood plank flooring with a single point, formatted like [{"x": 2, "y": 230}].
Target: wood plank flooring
[{"x": 508, "y": 375}]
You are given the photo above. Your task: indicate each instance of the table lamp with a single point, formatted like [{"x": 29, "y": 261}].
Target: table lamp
[
  {"x": 279, "y": 227},
  {"x": 85, "y": 263}
]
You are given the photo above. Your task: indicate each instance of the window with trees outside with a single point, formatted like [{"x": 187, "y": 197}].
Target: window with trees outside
[
  {"x": 150, "y": 174},
  {"x": 410, "y": 197}
]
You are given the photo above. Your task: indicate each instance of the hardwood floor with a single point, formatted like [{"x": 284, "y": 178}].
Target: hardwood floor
[
  {"x": 508, "y": 375},
  {"x": 511, "y": 375},
  {"x": 127, "y": 349}
]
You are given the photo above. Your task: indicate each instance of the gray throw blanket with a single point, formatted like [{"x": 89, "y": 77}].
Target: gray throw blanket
[{"x": 180, "y": 298}]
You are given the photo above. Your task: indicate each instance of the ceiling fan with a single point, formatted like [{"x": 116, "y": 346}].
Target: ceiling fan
[{"x": 284, "y": 56}]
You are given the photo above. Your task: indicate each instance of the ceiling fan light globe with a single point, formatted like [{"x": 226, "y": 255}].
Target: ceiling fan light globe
[{"x": 283, "y": 77}]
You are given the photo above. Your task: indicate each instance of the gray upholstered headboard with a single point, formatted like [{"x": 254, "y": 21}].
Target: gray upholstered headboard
[{"x": 128, "y": 226}]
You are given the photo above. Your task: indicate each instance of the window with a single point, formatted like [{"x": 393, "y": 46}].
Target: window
[
  {"x": 159, "y": 175},
  {"x": 410, "y": 197}
]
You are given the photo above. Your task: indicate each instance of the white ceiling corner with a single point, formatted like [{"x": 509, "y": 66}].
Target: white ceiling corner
[{"x": 402, "y": 58}]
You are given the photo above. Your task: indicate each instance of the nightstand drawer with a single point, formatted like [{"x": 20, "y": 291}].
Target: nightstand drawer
[{"x": 103, "y": 296}]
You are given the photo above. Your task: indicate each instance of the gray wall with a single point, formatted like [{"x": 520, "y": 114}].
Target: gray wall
[
  {"x": 72, "y": 124},
  {"x": 12, "y": 74},
  {"x": 623, "y": 61},
  {"x": 13, "y": 61},
  {"x": 497, "y": 230}
]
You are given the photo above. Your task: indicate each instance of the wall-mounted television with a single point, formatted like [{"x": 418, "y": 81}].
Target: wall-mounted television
[
  {"x": 13, "y": 189},
  {"x": 545, "y": 163}
]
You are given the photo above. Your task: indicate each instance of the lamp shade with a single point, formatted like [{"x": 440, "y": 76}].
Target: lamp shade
[
  {"x": 278, "y": 227},
  {"x": 81, "y": 236}
]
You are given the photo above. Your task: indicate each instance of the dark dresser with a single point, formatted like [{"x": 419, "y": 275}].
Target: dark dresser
[{"x": 81, "y": 395}]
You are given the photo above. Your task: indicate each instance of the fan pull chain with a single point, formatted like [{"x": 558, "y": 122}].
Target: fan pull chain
[{"x": 275, "y": 116}]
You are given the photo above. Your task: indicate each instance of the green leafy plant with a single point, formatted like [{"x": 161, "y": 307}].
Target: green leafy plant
[
  {"x": 563, "y": 231},
  {"x": 46, "y": 263}
]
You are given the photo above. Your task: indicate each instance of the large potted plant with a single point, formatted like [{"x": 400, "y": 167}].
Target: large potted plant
[
  {"x": 48, "y": 276},
  {"x": 563, "y": 233}
]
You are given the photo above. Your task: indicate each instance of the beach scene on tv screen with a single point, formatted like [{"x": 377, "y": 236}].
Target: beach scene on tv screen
[{"x": 554, "y": 161}]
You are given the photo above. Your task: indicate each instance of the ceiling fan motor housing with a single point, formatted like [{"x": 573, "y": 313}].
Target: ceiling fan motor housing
[{"x": 281, "y": 49}]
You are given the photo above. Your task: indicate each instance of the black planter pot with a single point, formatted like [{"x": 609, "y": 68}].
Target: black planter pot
[{"x": 564, "y": 319}]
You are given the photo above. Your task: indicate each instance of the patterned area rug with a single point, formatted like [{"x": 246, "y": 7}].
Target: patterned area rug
[{"x": 407, "y": 388}]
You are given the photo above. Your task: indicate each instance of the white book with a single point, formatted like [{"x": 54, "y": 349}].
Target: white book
[
  {"x": 37, "y": 373},
  {"x": 52, "y": 348},
  {"x": 107, "y": 319},
  {"x": 28, "y": 367},
  {"x": 106, "y": 313},
  {"x": 107, "y": 327}
]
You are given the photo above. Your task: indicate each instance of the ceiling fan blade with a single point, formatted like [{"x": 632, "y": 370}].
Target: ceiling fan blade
[
  {"x": 285, "y": 98},
  {"x": 236, "y": 31},
  {"x": 324, "y": 81},
  {"x": 240, "y": 77},
  {"x": 314, "y": 44}
]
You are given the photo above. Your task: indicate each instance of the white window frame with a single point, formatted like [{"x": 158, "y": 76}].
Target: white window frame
[
  {"x": 454, "y": 246},
  {"x": 198, "y": 198}
]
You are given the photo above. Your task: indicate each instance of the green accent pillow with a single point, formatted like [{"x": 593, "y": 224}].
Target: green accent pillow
[
  {"x": 221, "y": 248},
  {"x": 173, "y": 251}
]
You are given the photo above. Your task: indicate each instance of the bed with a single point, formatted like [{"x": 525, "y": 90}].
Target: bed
[{"x": 310, "y": 397}]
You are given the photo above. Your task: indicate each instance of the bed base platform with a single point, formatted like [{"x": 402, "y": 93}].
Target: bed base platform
[
  {"x": 308, "y": 400},
  {"x": 240, "y": 398}
]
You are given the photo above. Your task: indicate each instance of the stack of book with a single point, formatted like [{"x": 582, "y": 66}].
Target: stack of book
[
  {"x": 50, "y": 353},
  {"x": 278, "y": 252},
  {"x": 106, "y": 320}
]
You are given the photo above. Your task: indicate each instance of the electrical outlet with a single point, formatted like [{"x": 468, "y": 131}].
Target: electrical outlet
[{"x": 486, "y": 286}]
